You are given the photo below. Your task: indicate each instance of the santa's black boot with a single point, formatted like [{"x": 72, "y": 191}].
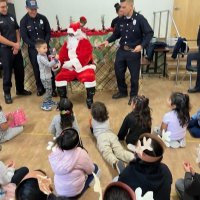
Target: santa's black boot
[
  {"x": 62, "y": 92},
  {"x": 90, "y": 95}
]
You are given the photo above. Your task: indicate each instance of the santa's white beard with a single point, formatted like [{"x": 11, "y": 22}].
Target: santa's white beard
[{"x": 72, "y": 43}]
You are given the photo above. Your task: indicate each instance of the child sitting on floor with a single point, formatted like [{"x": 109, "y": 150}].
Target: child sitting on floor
[
  {"x": 71, "y": 165},
  {"x": 194, "y": 125},
  {"x": 175, "y": 122},
  {"x": 7, "y": 132},
  {"x": 10, "y": 178},
  {"x": 107, "y": 141},
  {"x": 187, "y": 188},
  {"x": 137, "y": 122},
  {"x": 66, "y": 118}
]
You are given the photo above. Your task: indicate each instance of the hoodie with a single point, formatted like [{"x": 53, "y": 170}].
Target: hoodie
[
  {"x": 71, "y": 169},
  {"x": 154, "y": 177}
]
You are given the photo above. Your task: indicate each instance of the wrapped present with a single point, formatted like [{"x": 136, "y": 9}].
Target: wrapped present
[{"x": 19, "y": 118}]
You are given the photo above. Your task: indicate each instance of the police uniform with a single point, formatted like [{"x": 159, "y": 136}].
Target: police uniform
[
  {"x": 8, "y": 27},
  {"x": 32, "y": 29},
  {"x": 133, "y": 31}
]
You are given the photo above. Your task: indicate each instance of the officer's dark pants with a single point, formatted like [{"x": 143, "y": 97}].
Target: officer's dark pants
[
  {"x": 198, "y": 72},
  {"x": 131, "y": 60},
  {"x": 11, "y": 62},
  {"x": 33, "y": 59}
]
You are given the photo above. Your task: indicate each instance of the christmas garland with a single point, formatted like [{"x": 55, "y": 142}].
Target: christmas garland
[{"x": 87, "y": 31}]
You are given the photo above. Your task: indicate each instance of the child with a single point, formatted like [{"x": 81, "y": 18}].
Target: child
[
  {"x": 175, "y": 121},
  {"x": 45, "y": 72},
  {"x": 6, "y": 132},
  {"x": 71, "y": 164},
  {"x": 137, "y": 122},
  {"x": 9, "y": 178},
  {"x": 194, "y": 125},
  {"x": 147, "y": 171},
  {"x": 66, "y": 118},
  {"x": 8, "y": 173},
  {"x": 188, "y": 188},
  {"x": 107, "y": 141}
]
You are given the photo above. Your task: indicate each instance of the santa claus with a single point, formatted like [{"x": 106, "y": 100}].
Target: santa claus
[{"x": 77, "y": 63}]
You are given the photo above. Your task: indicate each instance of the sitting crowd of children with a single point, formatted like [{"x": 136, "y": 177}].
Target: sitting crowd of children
[{"x": 135, "y": 153}]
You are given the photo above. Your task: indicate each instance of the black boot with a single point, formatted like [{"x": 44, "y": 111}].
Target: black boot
[
  {"x": 90, "y": 94},
  {"x": 62, "y": 92}
]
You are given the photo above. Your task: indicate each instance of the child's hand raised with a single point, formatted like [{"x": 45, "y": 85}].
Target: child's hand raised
[
  {"x": 11, "y": 164},
  {"x": 187, "y": 166},
  {"x": 57, "y": 56}
]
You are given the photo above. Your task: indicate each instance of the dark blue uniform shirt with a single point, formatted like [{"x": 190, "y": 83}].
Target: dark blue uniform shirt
[
  {"x": 8, "y": 27},
  {"x": 133, "y": 31},
  {"x": 32, "y": 29}
]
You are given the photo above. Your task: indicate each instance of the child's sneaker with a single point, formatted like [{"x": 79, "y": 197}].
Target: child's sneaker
[
  {"x": 174, "y": 144},
  {"x": 119, "y": 166},
  {"x": 52, "y": 103},
  {"x": 183, "y": 143},
  {"x": 45, "y": 106}
]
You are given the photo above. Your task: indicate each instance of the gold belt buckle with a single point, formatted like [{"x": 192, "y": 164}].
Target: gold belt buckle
[{"x": 127, "y": 48}]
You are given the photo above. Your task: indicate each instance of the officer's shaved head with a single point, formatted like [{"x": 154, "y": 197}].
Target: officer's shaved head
[
  {"x": 3, "y": 7},
  {"x": 3, "y": 1},
  {"x": 127, "y": 7},
  {"x": 128, "y": 1}
]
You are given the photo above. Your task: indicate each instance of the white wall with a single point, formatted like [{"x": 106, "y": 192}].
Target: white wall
[{"x": 92, "y": 9}]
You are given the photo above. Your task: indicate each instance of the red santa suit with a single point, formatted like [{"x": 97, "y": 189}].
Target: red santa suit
[{"x": 76, "y": 59}]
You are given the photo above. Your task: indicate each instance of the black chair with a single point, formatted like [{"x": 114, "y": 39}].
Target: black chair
[{"x": 192, "y": 67}]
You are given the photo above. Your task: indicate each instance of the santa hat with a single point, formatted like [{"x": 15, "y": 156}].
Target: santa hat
[
  {"x": 83, "y": 19},
  {"x": 74, "y": 28}
]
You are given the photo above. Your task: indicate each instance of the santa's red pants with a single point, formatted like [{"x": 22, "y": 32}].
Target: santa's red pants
[{"x": 87, "y": 77}]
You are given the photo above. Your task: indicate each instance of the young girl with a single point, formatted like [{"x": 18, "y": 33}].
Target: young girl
[
  {"x": 66, "y": 118},
  {"x": 71, "y": 164},
  {"x": 6, "y": 132},
  {"x": 175, "y": 121},
  {"x": 9, "y": 178},
  {"x": 107, "y": 141},
  {"x": 137, "y": 122}
]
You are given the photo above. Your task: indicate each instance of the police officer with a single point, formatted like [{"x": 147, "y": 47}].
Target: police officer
[
  {"x": 197, "y": 86},
  {"x": 35, "y": 26},
  {"x": 135, "y": 34},
  {"x": 10, "y": 53}
]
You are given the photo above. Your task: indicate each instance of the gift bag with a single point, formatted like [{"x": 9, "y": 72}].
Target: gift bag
[{"x": 19, "y": 118}]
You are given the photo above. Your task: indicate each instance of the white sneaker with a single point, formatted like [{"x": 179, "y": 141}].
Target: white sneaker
[
  {"x": 174, "y": 144},
  {"x": 183, "y": 143}
]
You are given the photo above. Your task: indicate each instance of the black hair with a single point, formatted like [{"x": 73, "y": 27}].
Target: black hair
[
  {"x": 53, "y": 197},
  {"x": 142, "y": 112},
  {"x": 158, "y": 149},
  {"x": 65, "y": 107},
  {"x": 0, "y": 108},
  {"x": 99, "y": 111},
  {"x": 39, "y": 43},
  {"x": 117, "y": 193},
  {"x": 182, "y": 107},
  {"x": 68, "y": 139},
  {"x": 29, "y": 190},
  {"x": 117, "y": 7}
]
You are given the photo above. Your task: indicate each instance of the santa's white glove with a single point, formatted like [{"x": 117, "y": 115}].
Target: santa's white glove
[
  {"x": 68, "y": 65},
  {"x": 147, "y": 196},
  {"x": 56, "y": 67}
]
